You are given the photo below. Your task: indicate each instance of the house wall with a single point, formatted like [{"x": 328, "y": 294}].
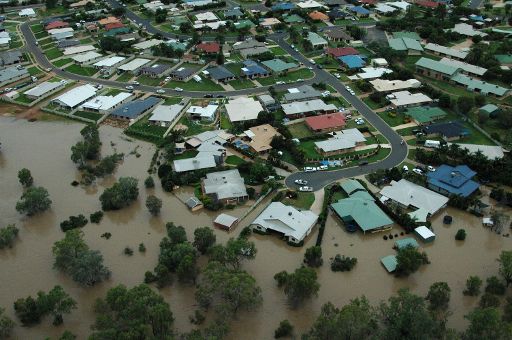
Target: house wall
[
  {"x": 335, "y": 152},
  {"x": 432, "y": 74}
]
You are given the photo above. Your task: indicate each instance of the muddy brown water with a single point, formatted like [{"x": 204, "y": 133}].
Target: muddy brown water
[{"x": 44, "y": 148}]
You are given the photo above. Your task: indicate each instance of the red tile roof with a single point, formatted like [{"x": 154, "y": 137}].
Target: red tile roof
[
  {"x": 341, "y": 51},
  {"x": 56, "y": 24},
  {"x": 427, "y": 3},
  {"x": 316, "y": 15},
  {"x": 333, "y": 120},
  {"x": 208, "y": 47},
  {"x": 368, "y": 2},
  {"x": 113, "y": 25}
]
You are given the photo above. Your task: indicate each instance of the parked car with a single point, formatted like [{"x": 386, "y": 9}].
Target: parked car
[
  {"x": 135, "y": 83},
  {"x": 167, "y": 79},
  {"x": 160, "y": 91},
  {"x": 359, "y": 121},
  {"x": 431, "y": 168},
  {"x": 48, "y": 69},
  {"x": 363, "y": 163},
  {"x": 129, "y": 87},
  {"x": 309, "y": 169},
  {"x": 208, "y": 96},
  {"x": 280, "y": 82},
  {"x": 306, "y": 189},
  {"x": 323, "y": 167},
  {"x": 178, "y": 89},
  {"x": 418, "y": 171},
  {"x": 301, "y": 181},
  {"x": 405, "y": 168}
]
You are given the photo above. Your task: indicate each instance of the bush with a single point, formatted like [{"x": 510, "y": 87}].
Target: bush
[
  {"x": 73, "y": 222},
  {"x": 8, "y": 235},
  {"x": 473, "y": 285},
  {"x": 461, "y": 235},
  {"x": 128, "y": 251},
  {"x": 343, "y": 263},
  {"x": 313, "y": 256},
  {"x": 149, "y": 183},
  {"x": 142, "y": 248},
  {"x": 489, "y": 300},
  {"x": 120, "y": 195},
  {"x": 285, "y": 329},
  {"x": 96, "y": 217},
  {"x": 495, "y": 286}
]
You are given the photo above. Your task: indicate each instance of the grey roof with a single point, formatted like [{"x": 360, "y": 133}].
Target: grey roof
[
  {"x": 193, "y": 202},
  {"x": 10, "y": 57},
  {"x": 234, "y": 12},
  {"x": 155, "y": 69},
  {"x": 225, "y": 220},
  {"x": 183, "y": 72},
  {"x": 11, "y": 73},
  {"x": 335, "y": 2},
  {"x": 314, "y": 105},
  {"x": 225, "y": 184},
  {"x": 250, "y": 43},
  {"x": 446, "y": 50},
  {"x": 68, "y": 43},
  {"x": 266, "y": 99},
  {"x": 305, "y": 92},
  {"x": 220, "y": 73},
  {"x": 135, "y": 108},
  {"x": 477, "y": 70},
  {"x": 45, "y": 87},
  {"x": 337, "y": 33},
  {"x": 196, "y": 163}
]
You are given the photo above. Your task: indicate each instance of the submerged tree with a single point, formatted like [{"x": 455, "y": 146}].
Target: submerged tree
[
  {"x": 8, "y": 235},
  {"x": 6, "y": 325},
  {"x": 204, "y": 239},
  {"x": 299, "y": 285},
  {"x": 154, "y": 204},
  {"x": 25, "y": 177},
  {"x": 409, "y": 260},
  {"x": 120, "y": 195},
  {"x": 33, "y": 201}
]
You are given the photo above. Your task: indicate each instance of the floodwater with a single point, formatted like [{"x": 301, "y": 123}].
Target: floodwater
[{"x": 44, "y": 148}]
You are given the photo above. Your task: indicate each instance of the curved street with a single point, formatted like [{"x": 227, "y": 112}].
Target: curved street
[{"x": 315, "y": 179}]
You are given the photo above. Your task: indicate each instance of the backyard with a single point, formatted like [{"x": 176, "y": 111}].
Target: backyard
[
  {"x": 192, "y": 85},
  {"x": 303, "y": 201},
  {"x": 293, "y": 76},
  {"x": 81, "y": 70},
  {"x": 299, "y": 130}
]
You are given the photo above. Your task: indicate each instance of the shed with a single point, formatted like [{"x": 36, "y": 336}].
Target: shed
[
  {"x": 389, "y": 262},
  {"x": 425, "y": 234},
  {"x": 225, "y": 221},
  {"x": 194, "y": 204},
  {"x": 405, "y": 242}
]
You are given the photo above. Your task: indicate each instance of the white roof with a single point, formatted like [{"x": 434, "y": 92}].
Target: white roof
[
  {"x": 225, "y": 220},
  {"x": 26, "y": 12},
  {"x": 4, "y": 34},
  {"x": 76, "y": 95},
  {"x": 43, "y": 88},
  {"x": 204, "y": 112},
  {"x": 411, "y": 194},
  {"x": 243, "y": 108},
  {"x": 196, "y": 163},
  {"x": 134, "y": 64},
  {"x": 384, "y": 8},
  {"x": 60, "y": 30},
  {"x": 110, "y": 61},
  {"x": 78, "y": 49},
  {"x": 468, "y": 30},
  {"x": 85, "y": 57},
  {"x": 344, "y": 139},
  {"x": 424, "y": 232},
  {"x": 446, "y": 50},
  {"x": 225, "y": 184},
  {"x": 309, "y": 4},
  {"x": 307, "y": 106},
  {"x": 489, "y": 151},
  {"x": 4, "y": 41},
  {"x": 104, "y": 103},
  {"x": 373, "y": 72},
  {"x": 144, "y": 45},
  {"x": 399, "y": 4},
  {"x": 419, "y": 215},
  {"x": 383, "y": 85},
  {"x": 476, "y": 70},
  {"x": 403, "y": 98},
  {"x": 206, "y": 16},
  {"x": 166, "y": 113},
  {"x": 287, "y": 220}
]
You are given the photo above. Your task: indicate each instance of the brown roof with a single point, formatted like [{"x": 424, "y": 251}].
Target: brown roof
[
  {"x": 113, "y": 25},
  {"x": 56, "y": 24},
  {"x": 333, "y": 120},
  {"x": 337, "y": 33},
  {"x": 427, "y": 3},
  {"x": 109, "y": 20},
  {"x": 341, "y": 51},
  {"x": 263, "y": 135},
  {"x": 208, "y": 47},
  {"x": 316, "y": 15}
]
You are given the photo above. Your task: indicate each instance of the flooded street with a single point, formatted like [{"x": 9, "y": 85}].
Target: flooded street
[{"x": 44, "y": 148}]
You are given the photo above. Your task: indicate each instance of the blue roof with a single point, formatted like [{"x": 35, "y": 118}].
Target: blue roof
[
  {"x": 476, "y": 17},
  {"x": 359, "y": 10},
  {"x": 253, "y": 68},
  {"x": 137, "y": 107},
  {"x": 352, "y": 61},
  {"x": 456, "y": 180},
  {"x": 283, "y": 6}
]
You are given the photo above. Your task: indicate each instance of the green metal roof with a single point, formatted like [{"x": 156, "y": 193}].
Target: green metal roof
[
  {"x": 294, "y": 18},
  {"x": 244, "y": 23},
  {"x": 278, "y": 65},
  {"x": 504, "y": 58},
  {"x": 315, "y": 39},
  {"x": 435, "y": 65},
  {"x": 410, "y": 35},
  {"x": 115, "y": 31},
  {"x": 364, "y": 212},
  {"x": 405, "y": 242},
  {"x": 489, "y": 108},
  {"x": 479, "y": 85},
  {"x": 389, "y": 262},
  {"x": 351, "y": 185},
  {"x": 425, "y": 114},
  {"x": 404, "y": 44}
]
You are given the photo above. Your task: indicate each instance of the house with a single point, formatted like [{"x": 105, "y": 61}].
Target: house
[
  {"x": 326, "y": 123},
  {"x": 115, "y": 32},
  {"x": 252, "y": 70},
  {"x": 147, "y": 44},
  {"x": 268, "y": 102},
  {"x": 467, "y": 30},
  {"x": 360, "y": 11},
  {"x": 344, "y": 141},
  {"x": 113, "y": 25},
  {"x": 133, "y": 109},
  {"x": 335, "y": 3},
  {"x": 69, "y": 51},
  {"x": 56, "y": 24},
  {"x": 304, "y": 92},
  {"x": 385, "y": 86},
  {"x": 194, "y": 204},
  {"x": 425, "y": 234},
  {"x": 81, "y": 3},
  {"x": 155, "y": 70},
  {"x": 316, "y": 40},
  {"x": 403, "y": 99},
  {"x": 220, "y": 74},
  {"x": 10, "y": 58},
  {"x": 490, "y": 109},
  {"x": 45, "y": 89},
  {"x": 406, "y": 242},
  {"x": 411, "y": 46},
  {"x": 504, "y": 59},
  {"x": 269, "y": 22},
  {"x": 335, "y": 14},
  {"x": 279, "y": 66},
  {"x": 208, "y": 48},
  {"x": 243, "y": 109},
  {"x": 447, "y": 130},
  {"x": 225, "y": 221},
  {"x": 203, "y": 112},
  {"x": 165, "y": 115},
  {"x": 27, "y": 13},
  {"x": 337, "y": 52},
  {"x": 423, "y": 115},
  {"x": 446, "y": 51},
  {"x": 86, "y": 58},
  {"x": 128, "y": 37},
  {"x": 225, "y": 186},
  {"x": 12, "y": 74},
  {"x": 250, "y": 48},
  {"x": 359, "y": 210},
  {"x": 448, "y": 180},
  {"x": 435, "y": 69},
  {"x": 489, "y": 151},
  {"x": 337, "y": 34},
  {"x": 196, "y": 3},
  {"x": 108, "y": 20},
  {"x": 182, "y": 73},
  {"x": 209, "y": 25},
  {"x": 63, "y": 44},
  {"x": 293, "y": 224},
  {"x": 352, "y": 62},
  {"x": 206, "y": 17},
  {"x": 412, "y": 196},
  {"x": 316, "y": 15},
  {"x": 105, "y": 104},
  {"x": 196, "y": 163},
  {"x": 292, "y": 19},
  {"x": 389, "y": 262},
  {"x": 385, "y": 9},
  {"x": 283, "y": 6},
  {"x": 372, "y": 72},
  {"x": 218, "y": 137},
  {"x": 110, "y": 63},
  {"x": 5, "y": 39},
  {"x": 134, "y": 65},
  {"x": 308, "y": 4},
  {"x": 464, "y": 68},
  {"x": 260, "y": 137},
  {"x": 308, "y": 107},
  {"x": 153, "y": 6},
  {"x": 76, "y": 96},
  {"x": 479, "y": 86},
  {"x": 233, "y": 13}
]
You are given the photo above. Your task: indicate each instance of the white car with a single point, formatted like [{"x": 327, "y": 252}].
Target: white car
[
  {"x": 167, "y": 78},
  {"x": 135, "y": 83},
  {"x": 160, "y": 91},
  {"x": 310, "y": 68},
  {"x": 405, "y": 168},
  {"x": 129, "y": 87},
  {"x": 431, "y": 168},
  {"x": 301, "y": 182},
  {"x": 178, "y": 89},
  {"x": 280, "y": 83},
  {"x": 306, "y": 189},
  {"x": 323, "y": 167},
  {"x": 359, "y": 121},
  {"x": 418, "y": 171},
  {"x": 309, "y": 169}
]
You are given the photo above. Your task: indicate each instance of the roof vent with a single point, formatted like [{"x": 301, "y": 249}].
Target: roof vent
[{"x": 290, "y": 213}]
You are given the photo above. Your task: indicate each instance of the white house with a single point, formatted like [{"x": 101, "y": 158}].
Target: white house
[
  {"x": 243, "y": 108},
  {"x": 27, "y": 13},
  {"x": 203, "y": 112},
  {"x": 104, "y": 104},
  {"x": 164, "y": 115},
  {"x": 76, "y": 96}
]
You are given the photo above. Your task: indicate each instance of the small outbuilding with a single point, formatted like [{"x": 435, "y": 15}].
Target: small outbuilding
[
  {"x": 225, "y": 221},
  {"x": 194, "y": 204},
  {"x": 389, "y": 262},
  {"x": 425, "y": 234},
  {"x": 406, "y": 242}
]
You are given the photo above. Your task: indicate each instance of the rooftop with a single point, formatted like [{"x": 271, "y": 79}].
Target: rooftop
[
  {"x": 315, "y": 105},
  {"x": 406, "y": 98},
  {"x": 243, "y": 108},
  {"x": 352, "y": 61},
  {"x": 437, "y": 66},
  {"x": 166, "y": 113},
  {"x": 76, "y": 95},
  {"x": 383, "y": 85},
  {"x": 481, "y": 86},
  {"x": 328, "y": 121},
  {"x": 473, "y": 69},
  {"x": 302, "y": 93},
  {"x": 225, "y": 184},
  {"x": 278, "y": 65},
  {"x": 345, "y": 139},
  {"x": 425, "y": 114},
  {"x": 199, "y": 162},
  {"x": 261, "y": 136},
  {"x": 135, "y": 108},
  {"x": 455, "y": 180},
  {"x": 446, "y": 50},
  {"x": 447, "y": 129}
]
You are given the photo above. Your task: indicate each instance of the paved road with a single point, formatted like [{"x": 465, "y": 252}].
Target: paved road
[{"x": 318, "y": 179}]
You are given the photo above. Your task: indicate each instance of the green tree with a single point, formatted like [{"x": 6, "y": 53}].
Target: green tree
[
  {"x": 154, "y": 204},
  {"x": 50, "y": 4},
  {"x": 6, "y": 325},
  {"x": 67, "y": 335},
  {"x": 406, "y": 317},
  {"x": 489, "y": 300},
  {"x": 25, "y": 177},
  {"x": 354, "y": 321},
  {"x": 465, "y": 104},
  {"x": 473, "y": 285},
  {"x": 495, "y": 286},
  {"x": 136, "y": 313},
  {"x": 313, "y": 256},
  {"x": 301, "y": 285},
  {"x": 88, "y": 269},
  {"x": 486, "y": 323},
  {"x": 34, "y": 200},
  {"x": 57, "y": 302},
  {"x": 176, "y": 234},
  {"x": 505, "y": 270},
  {"x": 232, "y": 254},
  {"x": 409, "y": 260},
  {"x": 120, "y": 195},
  {"x": 438, "y": 296},
  {"x": 7, "y": 236},
  {"x": 285, "y": 329},
  {"x": 160, "y": 15},
  {"x": 149, "y": 183},
  {"x": 460, "y": 235},
  {"x": 204, "y": 239},
  {"x": 27, "y": 310}
]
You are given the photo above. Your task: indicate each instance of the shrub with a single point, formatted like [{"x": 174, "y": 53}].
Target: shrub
[
  {"x": 8, "y": 235},
  {"x": 96, "y": 217},
  {"x": 461, "y": 235},
  {"x": 142, "y": 248},
  {"x": 489, "y": 300},
  {"x": 128, "y": 251},
  {"x": 343, "y": 263},
  {"x": 473, "y": 285},
  {"x": 313, "y": 256},
  {"x": 495, "y": 286},
  {"x": 285, "y": 329},
  {"x": 149, "y": 183},
  {"x": 73, "y": 222}
]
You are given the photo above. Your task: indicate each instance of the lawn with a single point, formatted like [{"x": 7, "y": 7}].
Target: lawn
[
  {"x": 81, "y": 70},
  {"x": 327, "y": 62},
  {"x": 235, "y": 68},
  {"x": 299, "y": 130},
  {"x": 36, "y": 28},
  {"x": 88, "y": 115},
  {"x": 172, "y": 100},
  {"x": 303, "y": 201},
  {"x": 40, "y": 35},
  {"x": 240, "y": 84},
  {"x": 22, "y": 98},
  {"x": 407, "y": 131},
  {"x": 278, "y": 51},
  {"x": 225, "y": 123},
  {"x": 192, "y": 85},
  {"x": 398, "y": 119},
  {"x": 125, "y": 77},
  {"x": 373, "y": 105},
  {"x": 187, "y": 154},
  {"x": 193, "y": 127},
  {"x": 149, "y": 81},
  {"x": 144, "y": 129},
  {"x": 34, "y": 71},
  {"x": 234, "y": 160},
  {"x": 62, "y": 62},
  {"x": 289, "y": 77},
  {"x": 112, "y": 92},
  {"x": 308, "y": 147},
  {"x": 53, "y": 53}
]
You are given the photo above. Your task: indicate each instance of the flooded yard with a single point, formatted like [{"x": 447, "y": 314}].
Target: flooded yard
[{"x": 44, "y": 148}]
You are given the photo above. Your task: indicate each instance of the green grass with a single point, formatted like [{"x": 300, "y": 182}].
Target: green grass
[
  {"x": 240, "y": 84},
  {"x": 88, "y": 115},
  {"x": 34, "y": 71},
  {"x": 225, "y": 123},
  {"x": 172, "y": 100},
  {"x": 373, "y": 105},
  {"x": 303, "y": 201},
  {"x": 37, "y": 28},
  {"x": 278, "y": 51},
  {"x": 192, "y": 85},
  {"x": 81, "y": 70},
  {"x": 407, "y": 131},
  {"x": 144, "y": 129},
  {"x": 299, "y": 130},
  {"x": 62, "y": 62},
  {"x": 125, "y": 77},
  {"x": 53, "y": 53},
  {"x": 327, "y": 62},
  {"x": 149, "y": 81},
  {"x": 234, "y": 160},
  {"x": 339, "y": 195},
  {"x": 22, "y": 98},
  {"x": 193, "y": 127},
  {"x": 112, "y": 92},
  {"x": 40, "y": 35},
  {"x": 302, "y": 73},
  {"x": 186, "y": 154},
  {"x": 399, "y": 118},
  {"x": 309, "y": 149},
  {"x": 235, "y": 68}
]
